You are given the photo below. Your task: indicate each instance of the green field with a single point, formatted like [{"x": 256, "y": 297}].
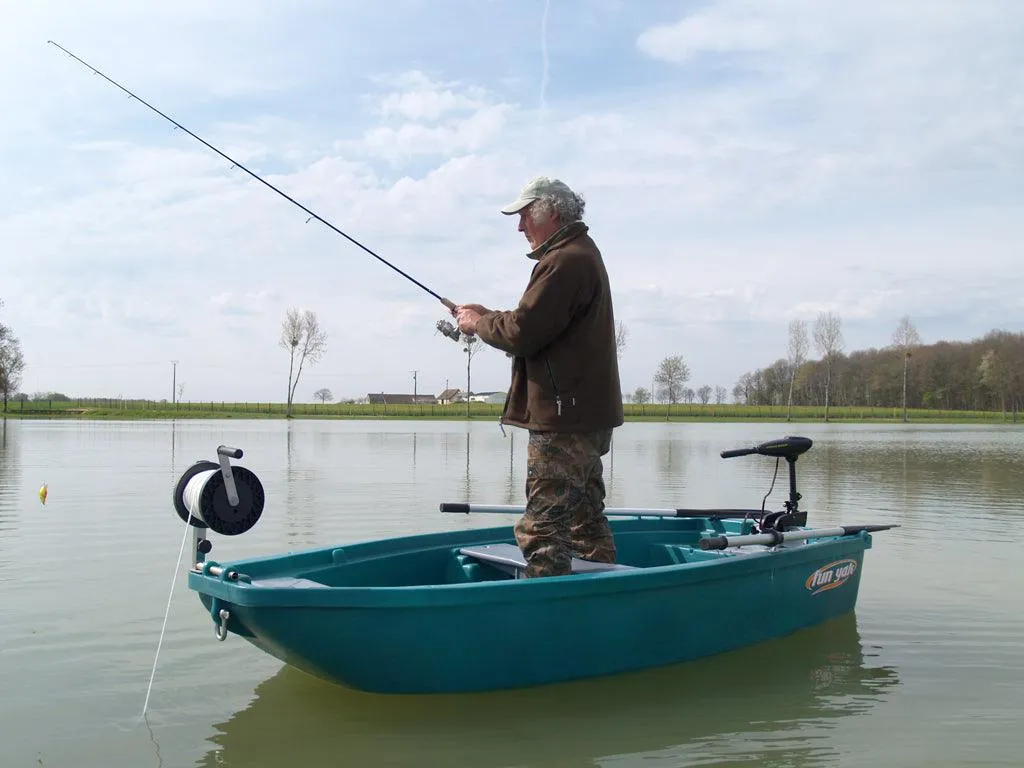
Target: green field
[{"x": 144, "y": 409}]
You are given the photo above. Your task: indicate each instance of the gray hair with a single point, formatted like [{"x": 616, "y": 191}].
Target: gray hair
[{"x": 566, "y": 205}]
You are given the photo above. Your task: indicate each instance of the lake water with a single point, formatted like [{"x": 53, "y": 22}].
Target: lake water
[{"x": 928, "y": 672}]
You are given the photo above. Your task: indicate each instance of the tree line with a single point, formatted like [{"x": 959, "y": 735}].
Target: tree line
[{"x": 984, "y": 374}]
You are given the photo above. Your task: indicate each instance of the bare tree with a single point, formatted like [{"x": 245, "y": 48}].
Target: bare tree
[
  {"x": 720, "y": 394},
  {"x": 741, "y": 390},
  {"x": 828, "y": 340},
  {"x": 621, "y": 334},
  {"x": 905, "y": 339},
  {"x": 672, "y": 374},
  {"x": 12, "y": 363},
  {"x": 704, "y": 394},
  {"x": 471, "y": 349},
  {"x": 304, "y": 339},
  {"x": 641, "y": 396},
  {"x": 797, "y": 355},
  {"x": 323, "y": 395}
]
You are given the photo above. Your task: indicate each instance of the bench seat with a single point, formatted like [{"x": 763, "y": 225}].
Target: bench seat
[{"x": 508, "y": 558}]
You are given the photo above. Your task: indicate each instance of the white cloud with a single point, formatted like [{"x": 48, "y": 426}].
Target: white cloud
[
  {"x": 870, "y": 94},
  {"x": 855, "y": 34},
  {"x": 412, "y": 139},
  {"x": 741, "y": 27},
  {"x": 422, "y": 99}
]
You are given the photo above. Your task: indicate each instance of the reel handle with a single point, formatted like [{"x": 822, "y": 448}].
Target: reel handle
[{"x": 224, "y": 453}]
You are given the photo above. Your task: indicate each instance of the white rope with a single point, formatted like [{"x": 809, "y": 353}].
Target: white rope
[
  {"x": 170, "y": 595},
  {"x": 194, "y": 490}
]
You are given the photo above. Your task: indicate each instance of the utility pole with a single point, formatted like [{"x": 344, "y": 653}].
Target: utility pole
[
  {"x": 469, "y": 350},
  {"x": 174, "y": 381},
  {"x": 414, "y": 386}
]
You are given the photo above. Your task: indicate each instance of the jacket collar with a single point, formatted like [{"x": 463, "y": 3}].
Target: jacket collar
[{"x": 566, "y": 233}]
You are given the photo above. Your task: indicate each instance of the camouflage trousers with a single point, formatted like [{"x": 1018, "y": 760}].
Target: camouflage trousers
[{"x": 565, "y": 494}]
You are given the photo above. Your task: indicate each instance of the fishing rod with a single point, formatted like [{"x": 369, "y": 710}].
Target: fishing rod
[{"x": 445, "y": 327}]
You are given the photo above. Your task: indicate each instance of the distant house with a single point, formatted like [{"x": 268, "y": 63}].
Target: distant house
[
  {"x": 384, "y": 398},
  {"x": 450, "y": 396},
  {"x": 487, "y": 397}
]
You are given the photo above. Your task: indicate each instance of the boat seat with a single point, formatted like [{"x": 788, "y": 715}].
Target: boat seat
[
  {"x": 288, "y": 581},
  {"x": 508, "y": 558}
]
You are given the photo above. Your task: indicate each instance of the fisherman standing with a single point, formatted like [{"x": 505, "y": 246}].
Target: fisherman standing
[{"x": 565, "y": 379}]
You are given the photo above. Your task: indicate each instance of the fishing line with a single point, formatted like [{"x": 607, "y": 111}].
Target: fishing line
[
  {"x": 167, "y": 612},
  {"x": 447, "y": 302}
]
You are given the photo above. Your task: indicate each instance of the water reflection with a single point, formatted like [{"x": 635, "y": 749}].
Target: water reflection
[
  {"x": 780, "y": 699},
  {"x": 670, "y": 457},
  {"x": 10, "y": 480},
  {"x": 514, "y": 492},
  {"x": 467, "y": 481},
  {"x": 174, "y": 440},
  {"x": 918, "y": 472},
  {"x": 9, "y": 474}
]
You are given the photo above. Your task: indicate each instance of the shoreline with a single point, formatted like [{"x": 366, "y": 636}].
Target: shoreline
[{"x": 145, "y": 411}]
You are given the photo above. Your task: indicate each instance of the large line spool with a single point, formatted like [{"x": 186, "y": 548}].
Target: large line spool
[{"x": 202, "y": 496}]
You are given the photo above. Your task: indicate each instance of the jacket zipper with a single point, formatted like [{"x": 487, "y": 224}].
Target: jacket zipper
[{"x": 554, "y": 386}]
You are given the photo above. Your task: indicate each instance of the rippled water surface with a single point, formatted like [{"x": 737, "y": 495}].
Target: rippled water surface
[{"x": 928, "y": 672}]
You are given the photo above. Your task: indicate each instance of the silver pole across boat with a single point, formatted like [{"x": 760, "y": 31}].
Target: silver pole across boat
[
  {"x": 512, "y": 509},
  {"x": 778, "y": 537}
]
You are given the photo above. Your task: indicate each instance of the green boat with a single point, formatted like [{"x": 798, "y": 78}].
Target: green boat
[{"x": 450, "y": 612}]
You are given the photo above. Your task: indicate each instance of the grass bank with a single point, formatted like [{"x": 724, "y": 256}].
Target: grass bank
[{"x": 148, "y": 410}]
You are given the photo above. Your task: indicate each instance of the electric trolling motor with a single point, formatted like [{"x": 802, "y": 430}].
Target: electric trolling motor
[{"x": 788, "y": 448}]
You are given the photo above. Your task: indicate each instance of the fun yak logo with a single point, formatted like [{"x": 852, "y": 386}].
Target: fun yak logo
[{"x": 830, "y": 576}]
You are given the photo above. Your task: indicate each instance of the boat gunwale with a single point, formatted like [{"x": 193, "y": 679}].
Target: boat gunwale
[{"x": 503, "y": 591}]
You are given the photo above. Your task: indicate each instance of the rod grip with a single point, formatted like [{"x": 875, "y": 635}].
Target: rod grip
[
  {"x": 448, "y": 303},
  {"x": 451, "y": 506}
]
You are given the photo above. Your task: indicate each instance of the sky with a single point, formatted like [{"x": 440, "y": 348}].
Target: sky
[{"x": 744, "y": 164}]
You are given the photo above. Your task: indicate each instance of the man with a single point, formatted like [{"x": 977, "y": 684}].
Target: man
[{"x": 565, "y": 379}]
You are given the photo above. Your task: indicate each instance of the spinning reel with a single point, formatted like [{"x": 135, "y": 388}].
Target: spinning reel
[{"x": 448, "y": 328}]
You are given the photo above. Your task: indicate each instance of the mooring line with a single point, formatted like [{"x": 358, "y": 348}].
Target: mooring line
[{"x": 167, "y": 612}]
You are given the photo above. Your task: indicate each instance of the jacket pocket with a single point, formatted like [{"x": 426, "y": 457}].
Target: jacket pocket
[{"x": 563, "y": 389}]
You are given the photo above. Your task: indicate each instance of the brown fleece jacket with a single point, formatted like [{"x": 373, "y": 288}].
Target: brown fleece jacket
[{"x": 565, "y": 371}]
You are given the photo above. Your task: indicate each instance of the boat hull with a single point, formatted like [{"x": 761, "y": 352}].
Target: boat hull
[{"x": 429, "y": 632}]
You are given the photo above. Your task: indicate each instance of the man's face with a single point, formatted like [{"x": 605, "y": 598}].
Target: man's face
[{"x": 536, "y": 231}]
